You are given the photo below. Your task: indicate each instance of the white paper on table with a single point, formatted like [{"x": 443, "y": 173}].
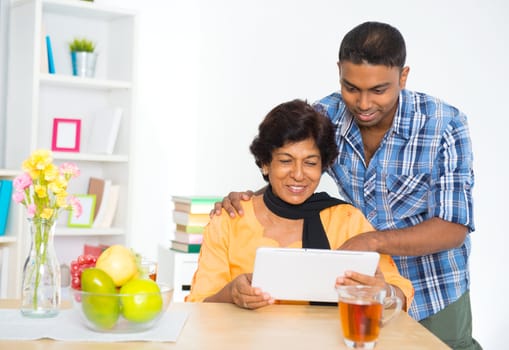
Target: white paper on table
[{"x": 68, "y": 326}]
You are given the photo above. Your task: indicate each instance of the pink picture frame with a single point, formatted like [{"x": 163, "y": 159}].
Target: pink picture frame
[{"x": 66, "y": 135}]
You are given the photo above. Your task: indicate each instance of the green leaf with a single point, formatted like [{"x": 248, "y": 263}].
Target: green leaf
[{"x": 80, "y": 45}]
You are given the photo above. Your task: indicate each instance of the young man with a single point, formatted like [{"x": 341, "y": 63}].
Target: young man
[{"x": 405, "y": 160}]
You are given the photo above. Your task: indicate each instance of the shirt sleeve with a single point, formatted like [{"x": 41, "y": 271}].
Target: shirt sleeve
[
  {"x": 452, "y": 177},
  {"x": 213, "y": 271}
]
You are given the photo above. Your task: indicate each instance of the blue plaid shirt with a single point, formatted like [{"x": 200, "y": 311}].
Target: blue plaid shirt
[{"x": 422, "y": 169}]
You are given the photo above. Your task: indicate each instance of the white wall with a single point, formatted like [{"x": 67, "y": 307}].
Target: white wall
[{"x": 210, "y": 70}]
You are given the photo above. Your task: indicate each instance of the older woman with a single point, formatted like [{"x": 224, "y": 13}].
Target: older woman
[{"x": 295, "y": 144}]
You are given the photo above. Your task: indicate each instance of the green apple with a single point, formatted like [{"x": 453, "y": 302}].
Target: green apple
[
  {"x": 95, "y": 280},
  {"x": 100, "y": 302},
  {"x": 141, "y": 300}
]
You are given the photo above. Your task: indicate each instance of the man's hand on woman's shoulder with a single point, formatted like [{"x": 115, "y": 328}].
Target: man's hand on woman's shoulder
[{"x": 232, "y": 203}]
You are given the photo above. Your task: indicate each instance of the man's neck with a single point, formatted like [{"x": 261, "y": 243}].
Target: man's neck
[{"x": 372, "y": 136}]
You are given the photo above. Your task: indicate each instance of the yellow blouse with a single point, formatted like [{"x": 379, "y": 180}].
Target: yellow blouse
[{"x": 229, "y": 248}]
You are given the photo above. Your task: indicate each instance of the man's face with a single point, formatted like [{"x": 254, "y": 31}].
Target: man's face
[{"x": 371, "y": 92}]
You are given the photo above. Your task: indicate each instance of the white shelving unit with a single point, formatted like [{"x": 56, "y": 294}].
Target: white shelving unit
[
  {"x": 177, "y": 270},
  {"x": 36, "y": 97},
  {"x": 12, "y": 246}
]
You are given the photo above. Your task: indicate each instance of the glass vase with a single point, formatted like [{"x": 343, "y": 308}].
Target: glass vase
[{"x": 40, "y": 291}]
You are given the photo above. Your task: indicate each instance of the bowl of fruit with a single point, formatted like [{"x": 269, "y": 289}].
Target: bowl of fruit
[{"x": 111, "y": 294}]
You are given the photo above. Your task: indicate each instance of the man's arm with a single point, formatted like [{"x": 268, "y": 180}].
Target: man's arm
[{"x": 428, "y": 237}]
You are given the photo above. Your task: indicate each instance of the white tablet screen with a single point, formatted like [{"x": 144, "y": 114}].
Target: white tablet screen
[{"x": 307, "y": 274}]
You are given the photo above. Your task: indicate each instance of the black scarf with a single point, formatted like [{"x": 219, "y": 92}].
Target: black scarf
[{"x": 313, "y": 234}]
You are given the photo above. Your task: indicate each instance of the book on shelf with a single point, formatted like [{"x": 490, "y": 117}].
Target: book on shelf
[
  {"x": 44, "y": 51},
  {"x": 185, "y": 247},
  {"x": 195, "y": 204},
  {"x": 51, "y": 62},
  {"x": 190, "y": 238},
  {"x": 190, "y": 219},
  {"x": 5, "y": 203},
  {"x": 96, "y": 186},
  {"x": 108, "y": 208},
  {"x": 104, "y": 130},
  {"x": 101, "y": 208}
]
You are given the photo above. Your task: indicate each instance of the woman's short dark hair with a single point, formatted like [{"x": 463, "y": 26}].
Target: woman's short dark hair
[
  {"x": 374, "y": 43},
  {"x": 290, "y": 122}
]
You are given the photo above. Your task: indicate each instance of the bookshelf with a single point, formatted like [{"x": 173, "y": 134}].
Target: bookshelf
[
  {"x": 13, "y": 246},
  {"x": 36, "y": 97}
]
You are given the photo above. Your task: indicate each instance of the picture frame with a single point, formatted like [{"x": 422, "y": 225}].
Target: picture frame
[
  {"x": 86, "y": 219},
  {"x": 66, "y": 135}
]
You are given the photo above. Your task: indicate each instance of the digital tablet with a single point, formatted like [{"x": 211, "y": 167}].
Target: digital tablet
[{"x": 307, "y": 274}]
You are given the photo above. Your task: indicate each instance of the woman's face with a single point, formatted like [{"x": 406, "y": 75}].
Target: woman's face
[{"x": 295, "y": 171}]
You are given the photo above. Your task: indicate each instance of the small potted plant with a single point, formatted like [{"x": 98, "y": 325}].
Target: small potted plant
[{"x": 83, "y": 57}]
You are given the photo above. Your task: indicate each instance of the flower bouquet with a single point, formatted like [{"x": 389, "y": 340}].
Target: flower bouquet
[{"x": 42, "y": 189}]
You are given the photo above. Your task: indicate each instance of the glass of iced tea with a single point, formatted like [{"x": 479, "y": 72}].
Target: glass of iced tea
[
  {"x": 149, "y": 268},
  {"x": 361, "y": 313}
]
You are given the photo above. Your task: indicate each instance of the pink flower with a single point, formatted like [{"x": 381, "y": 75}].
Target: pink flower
[
  {"x": 18, "y": 196},
  {"x": 70, "y": 169},
  {"x": 31, "y": 210},
  {"x": 22, "y": 182},
  {"x": 76, "y": 206}
]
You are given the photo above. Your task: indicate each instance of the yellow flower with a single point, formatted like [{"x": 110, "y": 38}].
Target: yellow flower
[
  {"x": 40, "y": 191},
  {"x": 41, "y": 158},
  {"x": 62, "y": 200},
  {"x": 27, "y": 166},
  {"x": 50, "y": 173},
  {"x": 58, "y": 185},
  {"x": 47, "y": 213},
  {"x": 37, "y": 163}
]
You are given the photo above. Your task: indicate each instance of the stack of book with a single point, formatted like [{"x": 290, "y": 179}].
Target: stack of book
[{"x": 191, "y": 215}]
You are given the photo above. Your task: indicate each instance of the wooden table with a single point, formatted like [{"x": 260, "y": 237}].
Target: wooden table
[{"x": 224, "y": 326}]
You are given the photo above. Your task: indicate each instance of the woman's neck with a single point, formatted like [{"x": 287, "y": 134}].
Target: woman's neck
[{"x": 282, "y": 230}]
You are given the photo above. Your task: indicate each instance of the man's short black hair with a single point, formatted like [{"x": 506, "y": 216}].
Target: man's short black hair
[{"x": 374, "y": 43}]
